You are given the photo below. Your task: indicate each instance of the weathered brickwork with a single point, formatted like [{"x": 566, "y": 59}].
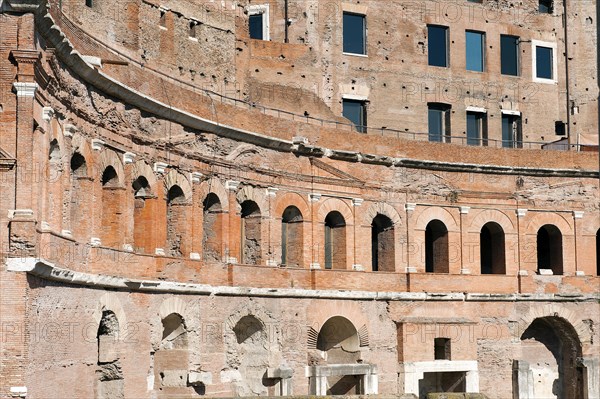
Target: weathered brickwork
[{"x": 160, "y": 240}]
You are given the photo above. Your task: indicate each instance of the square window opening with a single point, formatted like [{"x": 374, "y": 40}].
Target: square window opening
[
  {"x": 475, "y": 51},
  {"x": 437, "y": 46},
  {"x": 509, "y": 55},
  {"x": 355, "y": 33},
  {"x": 546, "y": 6},
  {"x": 356, "y": 112},
  {"x": 512, "y": 136},
  {"x": 442, "y": 349},
  {"x": 544, "y": 62},
  {"x": 258, "y": 22},
  {"x": 439, "y": 122},
  {"x": 477, "y": 128}
]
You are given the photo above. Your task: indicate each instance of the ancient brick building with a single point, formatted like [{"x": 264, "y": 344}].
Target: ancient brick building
[{"x": 244, "y": 198}]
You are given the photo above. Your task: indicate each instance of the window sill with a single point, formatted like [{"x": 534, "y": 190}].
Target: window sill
[
  {"x": 356, "y": 55},
  {"x": 545, "y": 81}
]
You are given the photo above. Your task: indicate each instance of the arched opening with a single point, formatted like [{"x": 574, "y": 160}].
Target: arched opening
[
  {"x": 492, "y": 249},
  {"x": 171, "y": 360},
  {"x": 111, "y": 208},
  {"x": 212, "y": 228},
  {"x": 142, "y": 215},
  {"x": 436, "y": 248},
  {"x": 549, "y": 249},
  {"x": 78, "y": 221},
  {"x": 109, "y": 373},
  {"x": 550, "y": 353},
  {"x": 382, "y": 244},
  {"x": 176, "y": 219},
  {"x": 292, "y": 237},
  {"x": 340, "y": 344},
  {"x": 55, "y": 212},
  {"x": 251, "y": 233},
  {"x": 335, "y": 241},
  {"x": 251, "y": 348},
  {"x": 78, "y": 165}
]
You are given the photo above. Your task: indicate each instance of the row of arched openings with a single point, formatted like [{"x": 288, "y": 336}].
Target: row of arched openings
[{"x": 437, "y": 257}]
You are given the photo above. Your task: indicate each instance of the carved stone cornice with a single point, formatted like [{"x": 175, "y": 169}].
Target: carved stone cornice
[{"x": 26, "y": 56}]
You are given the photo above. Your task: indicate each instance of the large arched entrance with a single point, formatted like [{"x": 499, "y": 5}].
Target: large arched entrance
[{"x": 550, "y": 361}]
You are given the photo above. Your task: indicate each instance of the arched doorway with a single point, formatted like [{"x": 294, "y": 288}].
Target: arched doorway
[
  {"x": 436, "y": 248},
  {"x": 492, "y": 250},
  {"x": 382, "y": 244},
  {"x": 250, "y": 233},
  {"x": 549, "y": 249},
  {"x": 252, "y": 354},
  {"x": 549, "y": 364}
]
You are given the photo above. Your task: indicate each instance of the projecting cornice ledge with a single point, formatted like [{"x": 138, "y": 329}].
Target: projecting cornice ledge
[
  {"x": 65, "y": 50},
  {"x": 46, "y": 270},
  {"x": 19, "y": 5}
]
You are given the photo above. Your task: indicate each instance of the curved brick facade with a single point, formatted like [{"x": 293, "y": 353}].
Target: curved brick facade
[{"x": 160, "y": 237}]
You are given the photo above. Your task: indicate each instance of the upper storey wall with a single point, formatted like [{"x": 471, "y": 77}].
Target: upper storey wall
[{"x": 208, "y": 43}]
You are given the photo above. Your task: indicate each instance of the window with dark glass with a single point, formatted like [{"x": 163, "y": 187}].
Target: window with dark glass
[
  {"x": 356, "y": 112},
  {"x": 439, "y": 122},
  {"x": 256, "y": 26},
  {"x": 544, "y": 62},
  {"x": 546, "y": 6},
  {"x": 509, "y": 55},
  {"x": 475, "y": 50},
  {"x": 476, "y": 128},
  {"x": 437, "y": 45},
  {"x": 355, "y": 33},
  {"x": 511, "y": 131}
]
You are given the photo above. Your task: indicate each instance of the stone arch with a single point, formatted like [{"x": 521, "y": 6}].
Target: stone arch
[
  {"x": 551, "y": 351},
  {"x": 257, "y": 195},
  {"x": 141, "y": 168},
  {"x": 348, "y": 310},
  {"x": 485, "y": 216},
  {"x": 291, "y": 199},
  {"x": 437, "y": 213},
  {"x": 214, "y": 186},
  {"x": 110, "y": 158},
  {"x": 241, "y": 150},
  {"x": 174, "y": 305},
  {"x": 176, "y": 178},
  {"x": 582, "y": 329},
  {"x": 544, "y": 218},
  {"x": 336, "y": 204},
  {"x": 110, "y": 302},
  {"x": 381, "y": 208}
]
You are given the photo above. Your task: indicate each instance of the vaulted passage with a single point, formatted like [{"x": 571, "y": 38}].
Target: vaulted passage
[
  {"x": 549, "y": 366},
  {"x": 382, "y": 244},
  {"x": 549, "y": 249},
  {"x": 492, "y": 248},
  {"x": 436, "y": 248},
  {"x": 250, "y": 233},
  {"x": 335, "y": 241},
  {"x": 292, "y": 246},
  {"x": 212, "y": 228}
]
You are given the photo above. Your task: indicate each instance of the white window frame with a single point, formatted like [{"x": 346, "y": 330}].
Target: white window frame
[
  {"x": 553, "y": 46},
  {"x": 264, "y": 10}
]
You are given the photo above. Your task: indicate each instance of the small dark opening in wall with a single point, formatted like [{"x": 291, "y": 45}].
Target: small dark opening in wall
[
  {"x": 442, "y": 348},
  {"x": 89, "y": 3}
]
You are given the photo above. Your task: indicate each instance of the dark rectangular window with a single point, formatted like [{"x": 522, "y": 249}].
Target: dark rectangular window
[
  {"x": 546, "y": 6},
  {"x": 511, "y": 131},
  {"x": 442, "y": 349},
  {"x": 356, "y": 112},
  {"x": 256, "y": 26},
  {"x": 88, "y": 3},
  {"x": 355, "y": 36},
  {"x": 544, "y": 62},
  {"x": 475, "y": 50},
  {"x": 509, "y": 55},
  {"x": 437, "y": 45},
  {"x": 476, "y": 128},
  {"x": 439, "y": 122}
]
